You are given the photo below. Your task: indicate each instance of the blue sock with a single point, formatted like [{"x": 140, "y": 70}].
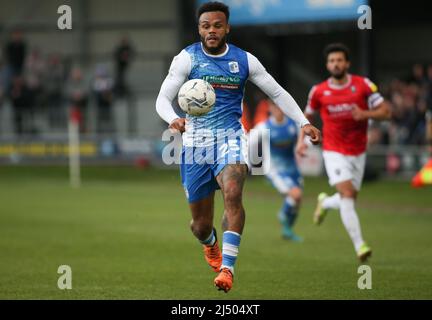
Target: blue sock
[
  {"x": 210, "y": 241},
  {"x": 231, "y": 242},
  {"x": 289, "y": 211}
]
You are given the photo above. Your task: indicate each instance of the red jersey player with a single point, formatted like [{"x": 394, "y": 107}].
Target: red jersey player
[{"x": 345, "y": 103}]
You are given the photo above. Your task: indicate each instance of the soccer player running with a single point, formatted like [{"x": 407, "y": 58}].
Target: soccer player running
[
  {"x": 227, "y": 68},
  {"x": 284, "y": 173},
  {"x": 345, "y": 103}
]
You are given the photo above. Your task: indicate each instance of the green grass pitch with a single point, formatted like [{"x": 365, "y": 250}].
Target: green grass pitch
[{"x": 126, "y": 235}]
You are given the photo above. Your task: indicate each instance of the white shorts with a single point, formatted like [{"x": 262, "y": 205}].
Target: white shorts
[{"x": 342, "y": 168}]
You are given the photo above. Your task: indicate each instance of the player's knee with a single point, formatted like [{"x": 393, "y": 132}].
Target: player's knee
[
  {"x": 201, "y": 223},
  {"x": 348, "y": 193},
  {"x": 201, "y": 227},
  {"x": 296, "y": 195}
]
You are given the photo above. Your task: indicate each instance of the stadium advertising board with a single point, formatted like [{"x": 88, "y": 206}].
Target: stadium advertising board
[{"x": 15, "y": 151}]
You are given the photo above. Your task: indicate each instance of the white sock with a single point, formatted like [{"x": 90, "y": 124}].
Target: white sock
[
  {"x": 332, "y": 202},
  {"x": 351, "y": 221}
]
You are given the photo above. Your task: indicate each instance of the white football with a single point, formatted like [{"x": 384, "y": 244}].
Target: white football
[{"x": 196, "y": 97}]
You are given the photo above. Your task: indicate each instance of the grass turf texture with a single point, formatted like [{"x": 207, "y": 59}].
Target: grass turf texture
[{"x": 126, "y": 235}]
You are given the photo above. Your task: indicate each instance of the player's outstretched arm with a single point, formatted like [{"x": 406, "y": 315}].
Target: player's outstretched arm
[
  {"x": 179, "y": 70},
  {"x": 260, "y": 77},
  {"x": 263, "y": 80},
  {"x": 380, "y": 112}
]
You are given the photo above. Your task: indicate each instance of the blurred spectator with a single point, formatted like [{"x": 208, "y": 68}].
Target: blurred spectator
[
  {"x": 34, "y": 70},
  {"x": 3, "y": 88},
  {"x": 76, "y": 93},
  {"x": 376, "y": 134},
  {"x": 123, "y": 56},
  {"x": 429, "y": 87},
  {"x": 53, "y": 83},
  {"x": 417, "y": 76},
  {"x": 22, "y": 103},
  {"x": 409, "y": 98},
  {"x": 15, "y": 51},
  {"x": 103, "y": 86}
]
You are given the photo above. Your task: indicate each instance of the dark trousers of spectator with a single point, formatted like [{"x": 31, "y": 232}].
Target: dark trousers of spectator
[
  {"x": 121, "y": 88},
  {"x": 23, "y": 121},
  {"x": 104, "y": 116},
  {"x": 56, "y": 112}
]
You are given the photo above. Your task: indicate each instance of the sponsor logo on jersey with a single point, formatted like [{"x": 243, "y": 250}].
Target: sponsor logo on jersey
[
  {"x": 234, "y": 67},
  {"x": 203, "y": 65},
  {"x": 327, "y": 92},
  {"x": 341, "y": 110},
  {"x": 223, "y": 82}
]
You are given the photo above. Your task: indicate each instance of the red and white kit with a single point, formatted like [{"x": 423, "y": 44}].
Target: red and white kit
[{"x": 344, "y": 139}]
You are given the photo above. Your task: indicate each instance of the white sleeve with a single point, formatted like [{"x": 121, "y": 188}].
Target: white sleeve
[
  {"x": 178, "y": 73},
  {"x": 260, "y": 77}
]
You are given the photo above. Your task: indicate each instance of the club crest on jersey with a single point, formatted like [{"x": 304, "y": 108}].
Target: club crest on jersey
[
  {"x": 353, "y": 89},
  {"x": 234, "y": 67}
]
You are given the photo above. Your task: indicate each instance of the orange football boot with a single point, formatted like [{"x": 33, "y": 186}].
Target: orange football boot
[
  {"x": 213, "y": 255},
  {"x": 224, "y": 280}
]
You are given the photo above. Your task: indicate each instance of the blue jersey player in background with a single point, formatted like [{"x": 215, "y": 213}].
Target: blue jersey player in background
[
  {"x": 226, "y": 68},
  {"x": 284, "y": 173}
]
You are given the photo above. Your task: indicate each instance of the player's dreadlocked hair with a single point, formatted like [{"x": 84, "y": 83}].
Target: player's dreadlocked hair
[
  {"x": 213, "y": 6},
  {"x": 337, "y": 47}
]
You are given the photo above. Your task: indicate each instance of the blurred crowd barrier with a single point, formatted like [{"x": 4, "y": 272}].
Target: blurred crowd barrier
[{"x": 142, "y": 151}]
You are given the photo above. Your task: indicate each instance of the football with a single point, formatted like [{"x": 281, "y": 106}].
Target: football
[{"x": 196, "y": 97}]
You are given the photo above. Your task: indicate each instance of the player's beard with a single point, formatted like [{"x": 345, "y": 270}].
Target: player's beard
[
  {"x": 214, "y": 50},
  {"x": 339, "y": 74}
]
